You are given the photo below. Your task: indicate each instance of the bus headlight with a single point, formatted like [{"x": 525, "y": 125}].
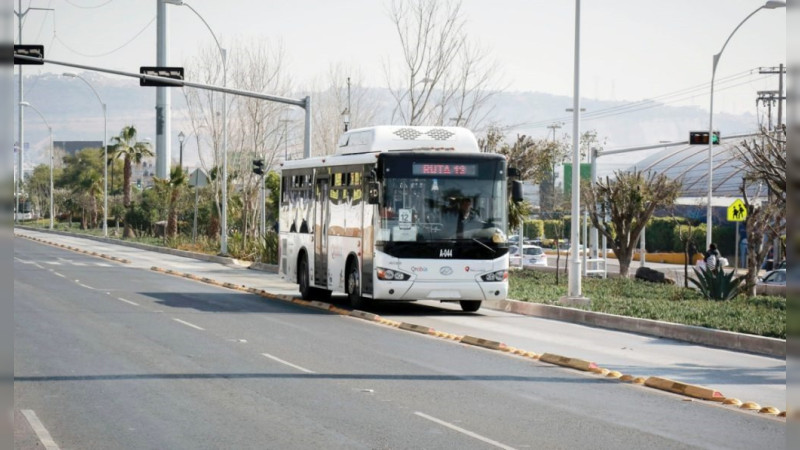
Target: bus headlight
[
  {"x": 392, "y": 275},
  {"x": 500, "y": 275}
]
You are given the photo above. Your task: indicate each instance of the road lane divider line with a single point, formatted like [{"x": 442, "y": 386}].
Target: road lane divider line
[
  {"x": 127, "y": 301},
  {"x": 41, "y": 432},
  {"x": 287, "y": 363},
  {"x": 78, "y": 282},
  {"x": 60, "y": 275},
  {"x": 75, "y": 249},
  {"x": 188, "y": 324},
  {"x": 466, "y": 432}
]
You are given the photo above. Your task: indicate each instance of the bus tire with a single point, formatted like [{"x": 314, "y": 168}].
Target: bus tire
[
  {"x": 470, "y": 305},
  {"x": 303, "y": 278},
  {"x": 353, "y": 286}
]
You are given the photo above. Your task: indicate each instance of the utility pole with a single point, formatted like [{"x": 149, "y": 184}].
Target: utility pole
[
  {"x": 769, "y": 98},
  {"x": 775, "y": 95},
  {"x": 555, "y": 127},
  {"x": 163, "y": 119},
  {"x": 20, "y": 153}
]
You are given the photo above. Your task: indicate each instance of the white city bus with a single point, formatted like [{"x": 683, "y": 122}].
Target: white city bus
[{"x": 380, "y": 219}]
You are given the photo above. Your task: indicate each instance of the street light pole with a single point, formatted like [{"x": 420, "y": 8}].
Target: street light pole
[
  {"x": 181, "y": 137},
  {"x": 574, "y": 273},
  {"x": 715, "y": 60},
  {"x": 223, "y": 241},
  {"x": 105, "y": 149},
  {"x": 50, "y": 129}
]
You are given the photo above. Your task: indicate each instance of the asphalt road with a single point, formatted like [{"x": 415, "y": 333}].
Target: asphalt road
[{"x": 112, "y": 356}]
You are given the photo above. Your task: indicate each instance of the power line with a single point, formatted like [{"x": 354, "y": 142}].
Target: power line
[
  {"x": 89, "y": 7},
  {"x": 108, "y": 52},
  {"x": 682, "y": 94}
]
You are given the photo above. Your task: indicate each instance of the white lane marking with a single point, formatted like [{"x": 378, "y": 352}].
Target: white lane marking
[
  {"x": 127, "y": 301},
  {"x": 53, "y": 263},
  {"x": 99, "y": 264},
  {"x": 188, "y": 324},
  {"x": 78, "y": 282},
  {"x": 463, "y": 431},
  {"x": 62, "y": 276},
  {"x": 275, "y": 358},
  {"x": 41, "y": 432}
]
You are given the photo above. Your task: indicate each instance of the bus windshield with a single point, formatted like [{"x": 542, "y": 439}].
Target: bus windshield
[{"x": 440, "y": 198}]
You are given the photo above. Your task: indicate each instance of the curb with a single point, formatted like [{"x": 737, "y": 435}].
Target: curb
[{"x": 687, "y": 333}]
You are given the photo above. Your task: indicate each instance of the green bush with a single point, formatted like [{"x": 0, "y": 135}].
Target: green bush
[
  {"x": 763, "y": 316},
  {"x": 554, "y": 228},
  {"x": 533, "y": 228},
  {"x": 660, "y": 232}
]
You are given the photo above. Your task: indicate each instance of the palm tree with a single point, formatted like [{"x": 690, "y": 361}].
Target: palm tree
[
  {"x": 132, "y": 152},
  {"x": 177, "y": 179}
]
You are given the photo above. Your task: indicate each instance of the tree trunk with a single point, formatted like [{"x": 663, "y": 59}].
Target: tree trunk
[
  {"x": 172, "y": 219},
  {"x": 126, "y": 180},
  {"x": 624, "y": 257}
]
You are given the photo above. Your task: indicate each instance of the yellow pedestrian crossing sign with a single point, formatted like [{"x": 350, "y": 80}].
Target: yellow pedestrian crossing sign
[{"x": 737, "y": 212}]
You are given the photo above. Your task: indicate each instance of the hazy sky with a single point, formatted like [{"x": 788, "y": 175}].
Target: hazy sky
[{"x": 630, "y": 49}]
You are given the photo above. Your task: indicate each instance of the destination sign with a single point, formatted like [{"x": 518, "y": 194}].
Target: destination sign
[{"x": 445, "y": 170}]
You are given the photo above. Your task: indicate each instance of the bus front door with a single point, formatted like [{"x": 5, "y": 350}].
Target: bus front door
[{"x": 321, "y": 233}]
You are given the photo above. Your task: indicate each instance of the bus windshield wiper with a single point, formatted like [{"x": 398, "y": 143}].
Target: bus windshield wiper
[{"x": 490, "y": 248}]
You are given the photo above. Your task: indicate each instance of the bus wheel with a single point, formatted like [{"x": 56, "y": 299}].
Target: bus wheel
[
  {"x": 306, "y": 290},
  {"x": 354, "y": 287},
  {"x": 470, "y": 305}
]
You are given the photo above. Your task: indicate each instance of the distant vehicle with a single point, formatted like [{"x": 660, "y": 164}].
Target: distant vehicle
[
  {"x": 774, "y": 278},
  {"x": 533, "y": 255}
]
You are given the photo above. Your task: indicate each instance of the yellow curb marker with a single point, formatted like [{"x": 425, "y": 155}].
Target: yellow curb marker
[
  {"x": 416, "y": 328},
  {"x": 564, "y": 361},
  {"x": 614, "y": 374},
  {"x": 690, "y": 390},
  {"x": 493, "y": 345},
  {"x": 732, "y": 401},
  {"x": 769, "y": 410},
  {"x": 750, "y": 406}
]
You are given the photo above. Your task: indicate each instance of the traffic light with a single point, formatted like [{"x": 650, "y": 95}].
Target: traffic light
[
  {"x": 701, "y": 138},
  {"x": 258, "y": 166}
]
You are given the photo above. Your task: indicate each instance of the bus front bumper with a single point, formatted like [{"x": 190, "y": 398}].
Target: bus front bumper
[{"x": 444, "y": 291}]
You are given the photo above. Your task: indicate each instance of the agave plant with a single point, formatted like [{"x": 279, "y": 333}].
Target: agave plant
[{"x": 715, "y": 284}]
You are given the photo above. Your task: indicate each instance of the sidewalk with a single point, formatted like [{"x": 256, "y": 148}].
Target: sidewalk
[{"x": 746, "y": 376}]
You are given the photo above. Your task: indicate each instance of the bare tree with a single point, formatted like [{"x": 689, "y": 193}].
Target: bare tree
[
  {"x": 766, "y": 161},
  {"x": 443, "y": 75},
  {"x": 765, "y": 222},
  {"x": 765, "y": 164},
  {"x": 628, "y": 201}
]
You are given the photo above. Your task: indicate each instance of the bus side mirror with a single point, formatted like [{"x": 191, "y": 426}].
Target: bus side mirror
[
  {"x": 516, "y": 191},
  {"x": 513, "y": 172},
  {"x": 373, "y": 192}
]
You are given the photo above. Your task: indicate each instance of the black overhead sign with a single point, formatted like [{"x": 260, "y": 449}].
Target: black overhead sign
[
  {"x": 33, "y": 51},
  {"x": 173, "y": 73}
]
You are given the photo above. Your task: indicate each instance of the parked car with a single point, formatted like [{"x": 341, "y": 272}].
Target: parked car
[
  {"x": 533, "y": 255},
  {"x": 774, "y": 278}
]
